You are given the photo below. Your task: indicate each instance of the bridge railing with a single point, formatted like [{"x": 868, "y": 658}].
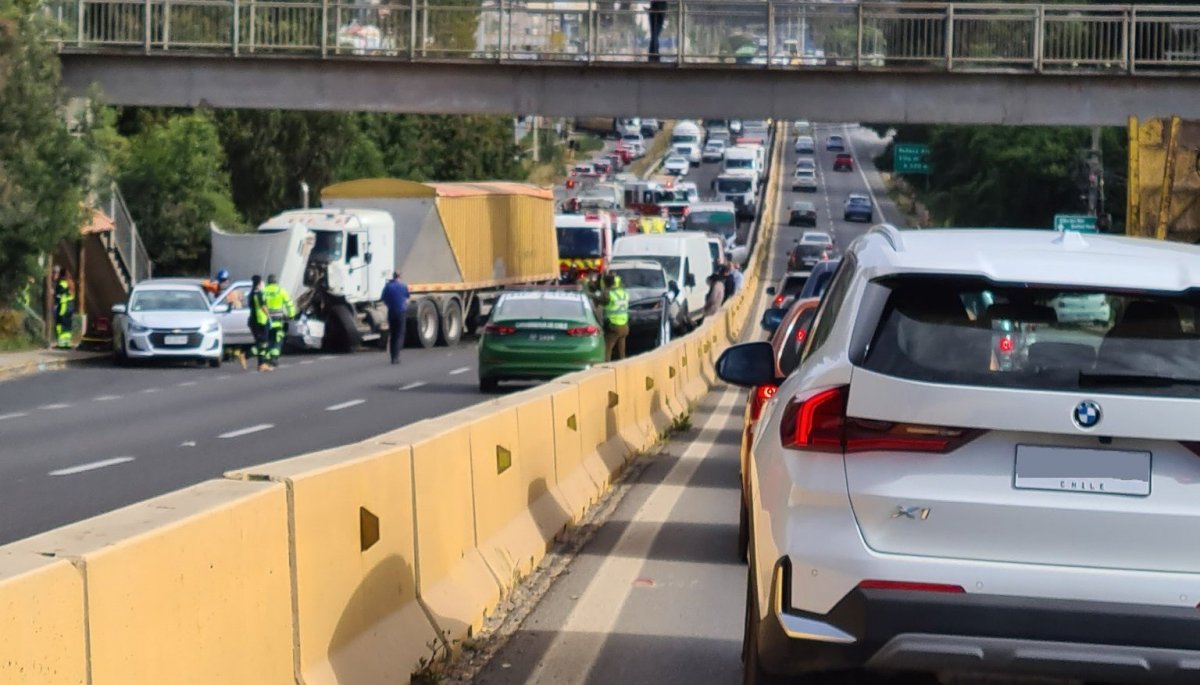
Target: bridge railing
[{"x": 774, "y": 34}]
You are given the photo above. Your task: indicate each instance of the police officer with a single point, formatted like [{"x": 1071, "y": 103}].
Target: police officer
[
  {"x": 616, "y": 317},
  {"x": 280, "y": 309},
  {"x": 64, "y": 308}
]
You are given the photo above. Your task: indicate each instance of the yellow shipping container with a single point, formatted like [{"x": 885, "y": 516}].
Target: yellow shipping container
[
  {"x": 462, "y": 235},
  {"x": 1164, "y": 157}
]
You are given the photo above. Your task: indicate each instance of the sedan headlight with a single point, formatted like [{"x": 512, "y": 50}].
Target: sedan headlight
[
  {"x": 138, "y": 328},
  {"x": 212, "y": 327}
]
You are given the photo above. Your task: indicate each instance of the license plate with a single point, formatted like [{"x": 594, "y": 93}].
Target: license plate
[
  {"x": 1113, "y": 472},
  {"x": 542, "y": 337},
  {"x": 175, "y": 340}
]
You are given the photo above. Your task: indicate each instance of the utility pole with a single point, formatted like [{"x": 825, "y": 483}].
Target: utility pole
[
  {"x": 1095, "y": 172},
  {"x": 536, "y": 155}
]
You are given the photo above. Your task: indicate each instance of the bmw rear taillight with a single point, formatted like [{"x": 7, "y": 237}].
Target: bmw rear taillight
[
  {"x": 583, "y": 331},
  {"x": 499, "y": 329},
  {"x": 819, "y": 424},
  {"x": 1005, "y": 345},
  {"x": 910, "y": 587},
  {"x": 759, "y": 399}
]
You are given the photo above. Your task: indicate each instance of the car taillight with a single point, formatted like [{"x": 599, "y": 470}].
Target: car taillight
[
  {"x": 499, "y": 329},
  {"x": 1006, "y": 344},
  {"x": 801, "y": 334},
  {"x": 582, "y": 331},
  {"x": 910, "y": 587},
  {"x": 759, "y": 399},
  {"x": 779, "y": 300},
  {"x": 819, "y": 423}
]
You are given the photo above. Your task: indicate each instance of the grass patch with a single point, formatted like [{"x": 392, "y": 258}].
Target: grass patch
[{"x": 658, "y": 147}]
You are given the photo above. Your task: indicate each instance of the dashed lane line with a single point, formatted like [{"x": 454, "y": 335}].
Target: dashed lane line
[
  {"x": 91, "y": 466},
  {"x": 461, "y": 369},
  {"x": 246, "y": 431},
  {"x": 14, "y": 415},
  {"x": 106, "y": 398},
  {"x": 60, "y": 405},
  {"x": 412, "y": 386},
  {"x": 344, "y": 405}
]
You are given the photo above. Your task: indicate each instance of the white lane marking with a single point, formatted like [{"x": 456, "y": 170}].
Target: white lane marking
[
  {"x": 858, "y": 164},
  {"x": 92, "y": 466},
  {"x": 600, "y": 605},
  {"x": 411, "y": 386},
  {"x": 344, "y": 405},
  {"x": 222, "y": 377},
  {"x": 306, "y": 362},
  {"x": 283, "y": 366},
  {"x": 246, "y": 431},
  {"x": 150, "y": 390},
  {"x": 187, "y": 384},
  {"x": 106, "y": 398},
  {"x": 14, "y": 415},
  {"x": 188, "y": 443},
  {"x": 461, "y": 369},
  {"x": 54, "y": 406},
  {"x": 327, "y": 357}
]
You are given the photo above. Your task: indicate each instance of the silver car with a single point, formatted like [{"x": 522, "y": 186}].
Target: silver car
[{"x": 167, "y": 319}]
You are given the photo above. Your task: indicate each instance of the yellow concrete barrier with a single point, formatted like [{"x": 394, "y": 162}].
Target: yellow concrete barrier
[
  {"x": 695, "y": 383},
  {"x": 518, "y": 508},
  {"x": 578, "y": 486},
  {"x": 453, "y": 580},
  {"x": 635, "y": 424},
  {"x": 358, "y": 618},
  {"x": 664, "y": 407},
  {"x": 42, "y": 638},
  {"x": 193, "y": 587},
  {"x": 605, "y": 452}
]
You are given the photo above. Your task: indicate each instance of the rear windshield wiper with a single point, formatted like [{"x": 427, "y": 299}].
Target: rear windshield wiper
[{"x": 1132, "y": 379}]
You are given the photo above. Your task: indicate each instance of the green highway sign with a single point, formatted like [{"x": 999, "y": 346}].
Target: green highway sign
[
  {"x": 911, "y": 158},
  {"x": 1082, "y": 223}
]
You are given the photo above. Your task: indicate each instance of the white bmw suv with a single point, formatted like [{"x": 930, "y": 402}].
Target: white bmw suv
[{"x": 917, "y": 506}]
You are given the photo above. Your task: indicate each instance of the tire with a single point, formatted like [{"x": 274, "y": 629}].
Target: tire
[
  {"x": 427, "y": 324},
  {"x": 214, "y": 363},
  {"x": 451, "y": 329},
  {"x": 341, "y": 333},
  {"x": 488, "y": 385},
  {"x": 752, "y": 670}
]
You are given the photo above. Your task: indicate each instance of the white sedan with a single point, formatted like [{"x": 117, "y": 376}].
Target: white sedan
[
  {"x": 676, "y": 165},
  {"x": 167, "y": 319}
]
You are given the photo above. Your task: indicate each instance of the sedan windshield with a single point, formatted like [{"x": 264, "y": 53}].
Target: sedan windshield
[{"x": 168, "y": 301}]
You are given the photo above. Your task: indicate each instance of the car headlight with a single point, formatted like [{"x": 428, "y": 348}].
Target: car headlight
[
  {"x": 212, "y": 327},
  {"x": 138, "y": 328}
]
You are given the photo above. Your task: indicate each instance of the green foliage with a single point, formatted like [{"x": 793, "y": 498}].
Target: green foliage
[
  {"x": 175, "y": 183},
  {"x": 43, "y": 168}
]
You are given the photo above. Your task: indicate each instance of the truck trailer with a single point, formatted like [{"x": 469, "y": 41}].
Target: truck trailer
[{"x": 456, "y": 245}]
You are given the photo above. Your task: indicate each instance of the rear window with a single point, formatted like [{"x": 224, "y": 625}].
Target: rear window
[
  {"x": 515, "y": 306},
  {"x": 793, "y": 284},
  {"x": 809, "y": 250},
  {"x": 969, "y": 332}
]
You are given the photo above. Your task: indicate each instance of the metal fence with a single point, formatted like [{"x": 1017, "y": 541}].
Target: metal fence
[{"x": 773, "y": 34}]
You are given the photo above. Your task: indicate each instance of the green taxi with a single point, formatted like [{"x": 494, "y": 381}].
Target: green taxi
[{"x": 539, "y": 334}]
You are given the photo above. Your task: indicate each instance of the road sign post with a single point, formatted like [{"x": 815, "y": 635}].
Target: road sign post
[
  {"x": 1082, "y": 223},
  {"x": 911, "y": 158}
]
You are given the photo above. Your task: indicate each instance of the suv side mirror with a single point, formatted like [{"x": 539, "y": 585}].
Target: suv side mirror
[
  {"x": 118, "y": 309},
  {"x": 223, "y": 308},
  {"x": 747, "y": 365}
]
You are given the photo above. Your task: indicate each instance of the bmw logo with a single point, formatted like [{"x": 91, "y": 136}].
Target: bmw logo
[{"x": 1086, "y": 414}]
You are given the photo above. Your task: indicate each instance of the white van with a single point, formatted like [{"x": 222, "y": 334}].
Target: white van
[
  {"x": 739, "y": 186},
  {"x": 688, "y": 134},
  {"x": 742, "y": 158},
  {"x": 688, "y": 263}
]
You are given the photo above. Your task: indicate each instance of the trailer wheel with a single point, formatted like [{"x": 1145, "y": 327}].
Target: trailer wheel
[
  {"x": 452, "y": 324},
  {"x": 427, "y": 323},
  {"x": 341, "y": 333}
]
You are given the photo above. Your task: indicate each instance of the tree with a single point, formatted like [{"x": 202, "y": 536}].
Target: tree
[
  {"x": 175, "y": 183},
  {"x": 43, "y": 167}
]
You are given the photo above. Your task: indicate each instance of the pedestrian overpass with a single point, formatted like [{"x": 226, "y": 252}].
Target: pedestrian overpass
[{"x": 886, "y": 62}]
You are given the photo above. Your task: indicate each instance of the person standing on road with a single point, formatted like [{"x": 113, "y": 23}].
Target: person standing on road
[
  {"x": 716, "y": 295},
  {"x": 395, "y": 296},
  {"x": 281, "y": 310},
  {"x": 64, "y": 308},
  {"x": 615, "y": 300},
  {"x": 260, "y": 323},
  {"x": 658, "y": 16}
]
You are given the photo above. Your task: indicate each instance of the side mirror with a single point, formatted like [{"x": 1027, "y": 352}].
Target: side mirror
[
  {"x": 770, "y": 290},
  {"x": 118, "y": 309},
  {"x": 748, "y": 365},
  {"x": 772, "y": 318},
  {"x": 367, "y": 258},
  {"x": 689, "y": 280},
  {"x": 223, "y": 308}
]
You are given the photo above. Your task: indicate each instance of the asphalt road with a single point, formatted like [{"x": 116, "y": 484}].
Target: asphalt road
[{"x": 657, "y": 595}]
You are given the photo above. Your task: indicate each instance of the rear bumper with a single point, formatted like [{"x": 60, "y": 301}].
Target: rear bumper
[{"x": 977, "y": 633}]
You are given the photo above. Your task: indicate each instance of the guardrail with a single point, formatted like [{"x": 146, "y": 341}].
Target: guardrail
[
  {"x": 357, "y": 565},
  {"x": 768, "y": 34}
]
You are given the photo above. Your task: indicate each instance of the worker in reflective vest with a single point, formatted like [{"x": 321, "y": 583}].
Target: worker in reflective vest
[
  {"x": 64, "y": 308},
  {"x": 280, "y": 310},
  {"x": 616, "y": 317}
]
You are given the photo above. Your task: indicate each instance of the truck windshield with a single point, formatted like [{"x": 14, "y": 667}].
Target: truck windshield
[
  {"x": 669, "y": 264},
  {"x": 328, "y": 247},
  {"x": 733, "y": 185},
  {"x": 717, "y": 222},
  {"x": 734, "y": 163},
  {"x": 579, "y": 242},
  {"x": 641, "y": 278},
  {"x": 685, "y": 138}
]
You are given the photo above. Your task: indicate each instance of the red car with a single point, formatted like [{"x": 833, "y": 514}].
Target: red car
[
  {"x": 843, "y": 162},
  {"x": 788, "y": 342}
]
